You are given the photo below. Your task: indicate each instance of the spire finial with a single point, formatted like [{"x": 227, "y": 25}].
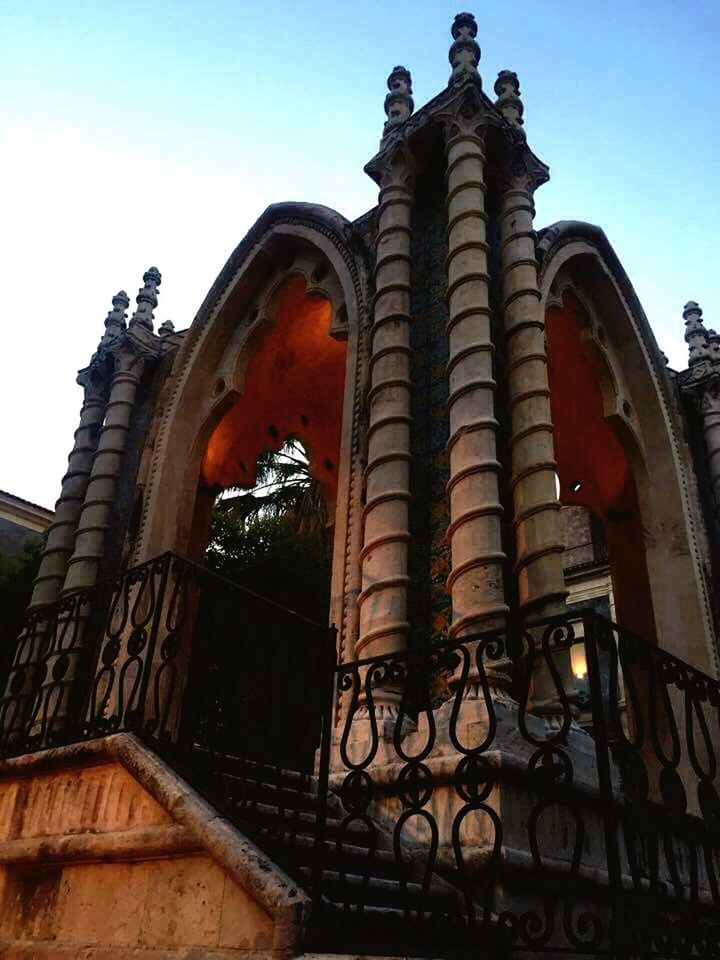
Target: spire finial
[
  {"x": 147, "y": 299},
  {"x": 507, "y": 88},
  {"x": 696, "y": 336},
  {"x": 115, "y": 320},
  {"x": 399, "y": 103},
  {"x": 464, "y": 53}
]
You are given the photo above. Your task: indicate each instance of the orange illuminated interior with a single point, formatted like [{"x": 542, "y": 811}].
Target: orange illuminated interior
[
  {"x": 293, "y": 387},
  {"x": 592, "y": 463}
]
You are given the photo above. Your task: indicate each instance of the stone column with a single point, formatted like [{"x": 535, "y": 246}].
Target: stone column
[
  {"x": 477, "y": 558},
  {"x": 95, "y": 518},
  {"x": 383, "y": 599},
  {"x": 61, "y": 535},
  {"x": 84, "y": 565},
  {"x": 536, "y": 508}
]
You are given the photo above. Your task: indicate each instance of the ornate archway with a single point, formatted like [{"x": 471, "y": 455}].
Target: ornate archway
[{"x": 618, "y": 436}]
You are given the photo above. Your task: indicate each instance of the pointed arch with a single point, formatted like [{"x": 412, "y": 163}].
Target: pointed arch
[
  {"x": 324, "y": 253},
  {"x": 580, "y": 272}
]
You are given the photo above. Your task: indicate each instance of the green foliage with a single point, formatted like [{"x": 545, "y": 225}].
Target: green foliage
[
  {"x": 16, "y": 580},
  {"x": 273, "y": 539}
]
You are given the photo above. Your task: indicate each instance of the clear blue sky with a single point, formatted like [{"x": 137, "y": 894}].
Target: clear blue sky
[{"x": 136, "y": 133}]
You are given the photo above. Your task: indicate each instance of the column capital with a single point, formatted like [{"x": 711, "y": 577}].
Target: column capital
[
  {"x": 396, "y": 166},
  {"x": 95, "y": 382}
]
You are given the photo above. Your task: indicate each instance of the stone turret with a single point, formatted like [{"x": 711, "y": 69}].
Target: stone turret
[
  {"x": 464, "y": 53},
  {"x": 696, "y": 336},
  {"x": 507, "y": 88},
  {"x": 399, "y": 103},
  {"x": 147, "y": 300},
  {"x": 115, "y": 320}
]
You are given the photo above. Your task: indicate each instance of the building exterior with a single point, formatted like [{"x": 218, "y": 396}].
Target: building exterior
[
  {"x": 506, "y": 742},
  {"x": 21, "y": 522}
]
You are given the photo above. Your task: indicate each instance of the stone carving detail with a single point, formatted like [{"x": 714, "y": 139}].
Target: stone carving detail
[
  {"x": 147, "y": 300},
  {"x": 696, "y": 336},
  {"x": 115, "y": 321},
  {"x": 507, "y": 87},
  {"x": 399, "y": 103},
  {"x": 464, "y": 55}
]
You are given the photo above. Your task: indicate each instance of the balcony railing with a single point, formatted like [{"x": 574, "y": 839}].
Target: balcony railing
[
  {"x": 464, "y": 774},
  {"x": 172, "y": 651},
  {"x": 437, "y": 798}
]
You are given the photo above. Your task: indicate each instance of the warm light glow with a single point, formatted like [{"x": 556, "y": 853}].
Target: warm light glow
[
  {"x": 293, "y": 387},
  {"x": 578, "y": 661}
]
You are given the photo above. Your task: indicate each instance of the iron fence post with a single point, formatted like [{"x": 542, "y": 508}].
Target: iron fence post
[
  {"x": 605, "y": 783},
  {"x": 154, "y": 628},
  {"x": 330, "y": 658}
]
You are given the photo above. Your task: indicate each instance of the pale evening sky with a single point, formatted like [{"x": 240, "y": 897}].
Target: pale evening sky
[{"x": 135, "y": 134}]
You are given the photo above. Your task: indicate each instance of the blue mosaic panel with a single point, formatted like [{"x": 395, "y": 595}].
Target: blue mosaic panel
[{"x": 429, "y": 559}]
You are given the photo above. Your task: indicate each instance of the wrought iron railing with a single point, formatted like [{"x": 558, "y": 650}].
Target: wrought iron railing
[
  {"x": 454, "y": 802},
  {"x": 503, "y": 825},
  {"x": 175, "y": 652}
]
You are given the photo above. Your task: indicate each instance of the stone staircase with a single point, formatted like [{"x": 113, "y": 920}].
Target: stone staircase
[{"x": 368, "y": 896}]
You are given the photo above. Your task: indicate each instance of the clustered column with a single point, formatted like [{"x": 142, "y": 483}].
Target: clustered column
[
  {"x": 61, "y": 535},
  {"x": 384, "y": 556},
  {"x": 474, "y": 533},
  {"x": 95, "y": 519},
  {"x": 476, "y": 577},
  {"x": 538, "y": 532}
]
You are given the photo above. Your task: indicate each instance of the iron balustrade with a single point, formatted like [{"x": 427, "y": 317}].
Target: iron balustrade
[
  {"x": 480, "y": 817},
  {"x": 156, "y": 650},
  {"x": 440, "y": 798}
]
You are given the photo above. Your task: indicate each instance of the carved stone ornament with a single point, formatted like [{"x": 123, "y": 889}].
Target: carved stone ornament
[
  {"x": 147, "y": 299},
  {"x": 696, "y": 336},
  {"x": 399, "y": 103},
  {"x": 464, "y": 55},
  {"x": 507, "y": 87}
]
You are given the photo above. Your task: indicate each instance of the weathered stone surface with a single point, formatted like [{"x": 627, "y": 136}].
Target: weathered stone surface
[{"x": 104, "y": 852}]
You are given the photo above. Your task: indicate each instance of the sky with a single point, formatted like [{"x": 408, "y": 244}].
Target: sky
[{"x": 136, "y": 134}]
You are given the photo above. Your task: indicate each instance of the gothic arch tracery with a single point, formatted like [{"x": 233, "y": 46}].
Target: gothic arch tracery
[{"x": 289, "y": 240}]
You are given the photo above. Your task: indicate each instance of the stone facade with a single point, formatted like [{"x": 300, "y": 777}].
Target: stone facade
[
  {"x": 497, "y": 435},
  {"x": 21, "y": 522}
]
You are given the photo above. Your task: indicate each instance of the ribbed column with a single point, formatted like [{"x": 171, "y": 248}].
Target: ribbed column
[
  {"x": 101, "y": 490},
  {"x": 476, "y": 577},
  {"x": 536, "y": 509},
  {"x": 383, "y": 600},
  {"x": 61, "y": 535}
]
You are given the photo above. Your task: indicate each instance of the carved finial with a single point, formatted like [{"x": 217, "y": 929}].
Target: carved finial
[
  {"x": 507, "y": 88},
  {"x": 115, "y": 320},
  {"x": 696, "y": 336},
  {"x": 166, "y": 328},
  {"x": 714, "y": 345},
  {"x": 464, "y": 53},
  {"x": 399, "y": 103},
  {"x": 147, "y": 299}
]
